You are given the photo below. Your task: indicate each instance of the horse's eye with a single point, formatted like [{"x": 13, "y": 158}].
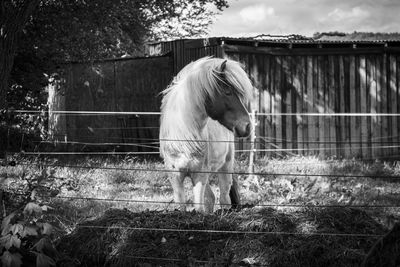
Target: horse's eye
[{"x": 228, "y": 91}]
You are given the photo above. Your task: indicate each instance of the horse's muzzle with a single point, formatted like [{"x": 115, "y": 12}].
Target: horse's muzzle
[{"x": 242, "y": 130}]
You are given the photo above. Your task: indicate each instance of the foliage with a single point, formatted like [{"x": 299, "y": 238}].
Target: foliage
[
  {"x": 79, "y": 30},
  {"x": 27, "y": 232},
  {"x": 86, "y": 30},
  {"x": 25, "y": 236},
  {"x": 185, "y": 18},
  {"x": 37, "y": 184}
]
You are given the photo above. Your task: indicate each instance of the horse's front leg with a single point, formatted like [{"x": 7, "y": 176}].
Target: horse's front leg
[
  {"x": 179, "y": 189},
  {"x": 203, "y": 196},
  {"x": 228, "y": 187},
  {"x": 225, "y": 183}
]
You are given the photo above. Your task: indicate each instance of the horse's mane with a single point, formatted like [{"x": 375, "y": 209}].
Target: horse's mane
[{"x": 185, "y": 97}]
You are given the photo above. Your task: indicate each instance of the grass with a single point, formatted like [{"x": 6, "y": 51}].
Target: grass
[{"x": 306, "y": 186}]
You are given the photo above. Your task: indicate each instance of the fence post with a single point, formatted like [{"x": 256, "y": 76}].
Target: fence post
[
  {"x": 9, "y": 116},
  {"x": 252, "y": 179}
]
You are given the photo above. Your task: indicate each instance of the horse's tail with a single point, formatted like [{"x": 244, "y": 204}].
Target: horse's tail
[{"x": 234, "y": 193}]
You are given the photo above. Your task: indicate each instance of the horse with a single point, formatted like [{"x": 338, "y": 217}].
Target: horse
[{"x": 202, "y": 110}]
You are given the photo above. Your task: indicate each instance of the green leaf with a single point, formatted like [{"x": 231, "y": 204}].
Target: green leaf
[
  {"x": 11, "y": 259},
  {"x": 43, "y": 260},
  {"x": 31, "y": 208}
]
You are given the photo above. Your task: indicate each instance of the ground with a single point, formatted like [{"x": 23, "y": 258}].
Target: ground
[{"x": 299, "y": 212}]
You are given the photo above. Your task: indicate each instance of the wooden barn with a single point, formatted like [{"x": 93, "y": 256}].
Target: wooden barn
[
  {"x": 327, "y": 98},
  {"x": 108, "y": 89}
]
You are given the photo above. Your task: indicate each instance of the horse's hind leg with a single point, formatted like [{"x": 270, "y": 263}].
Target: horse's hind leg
[{"x": 179, "y": 190}]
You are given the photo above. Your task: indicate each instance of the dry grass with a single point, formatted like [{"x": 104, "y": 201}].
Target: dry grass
[{"x": 300, "y": 248}]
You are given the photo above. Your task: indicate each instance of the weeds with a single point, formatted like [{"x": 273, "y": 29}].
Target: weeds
[{"x": 67, "y": 188}]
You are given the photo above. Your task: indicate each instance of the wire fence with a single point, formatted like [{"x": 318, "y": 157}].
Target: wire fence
[
  {"x": 380, "y": 176},
  {"x": 257, "y": 205},
  {"x": 261, "y": 144},
  {"x": 376, "y": 142}
]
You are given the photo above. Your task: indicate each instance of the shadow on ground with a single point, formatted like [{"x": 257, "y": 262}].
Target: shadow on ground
[{"x": 268, "y": 237}]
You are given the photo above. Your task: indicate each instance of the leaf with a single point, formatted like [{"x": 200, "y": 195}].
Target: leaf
[
  {"x": 4, "y": 240},
  {"x": 15, "y": 241},
  {"x": 11, "y": 259},
  {"x": 47, "y": 229},
  {"x": 10, "y": 240},
  {"x": 16, "y": 228},
  {"x": 46, "y": 208},
  {"x": 6, "y": 221},
  {"x": 43, "y": 260},
  {"x": 32, "y": 208},
  {"x": 43, "y": 244},
  {"x": 6, "y": 230},
  {"x": 29, "y": 231}
]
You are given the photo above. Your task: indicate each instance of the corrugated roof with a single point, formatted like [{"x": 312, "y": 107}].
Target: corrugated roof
[
  {"x": 304, "y": 40},
  {"x": 288, "y": 41}
]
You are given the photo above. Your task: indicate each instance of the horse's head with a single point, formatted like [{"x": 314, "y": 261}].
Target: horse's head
[{"x": 227, "y": 104}]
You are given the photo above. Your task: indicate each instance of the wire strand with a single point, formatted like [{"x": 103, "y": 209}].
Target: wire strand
[
  {"x": 218, "y": 172},
  {"x": 90, "y": 112},
  {"x": 240, "y": 206},
  {"x": 211, "y": 231}
]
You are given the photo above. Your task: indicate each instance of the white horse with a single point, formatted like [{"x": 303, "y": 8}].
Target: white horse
[{"x": 201, "y": 111}]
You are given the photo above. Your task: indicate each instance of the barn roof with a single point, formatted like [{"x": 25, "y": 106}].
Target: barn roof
[{"x": 289, "y": 41}]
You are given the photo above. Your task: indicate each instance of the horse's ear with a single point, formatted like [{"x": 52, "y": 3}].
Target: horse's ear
[{"x": 223, "y": 66}]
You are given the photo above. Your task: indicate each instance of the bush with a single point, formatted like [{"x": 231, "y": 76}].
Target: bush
[{"x": 25, "y": 238}]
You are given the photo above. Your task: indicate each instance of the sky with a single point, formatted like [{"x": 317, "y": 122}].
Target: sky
[{"x": 246, "y": 18}]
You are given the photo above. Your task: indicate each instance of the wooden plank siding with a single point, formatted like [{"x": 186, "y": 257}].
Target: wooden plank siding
[
  {"x": 339, "y": 83},
  {"x": 340, "y": 78},
  {"x": 123, "y": 85}
]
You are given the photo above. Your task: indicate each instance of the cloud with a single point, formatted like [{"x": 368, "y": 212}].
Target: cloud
[
  {"x": 252, "y": 17},
  {"x": 356, "y": 13},
  {"x": 348, "y": 19},
  {"x": 256, "y": 14}
]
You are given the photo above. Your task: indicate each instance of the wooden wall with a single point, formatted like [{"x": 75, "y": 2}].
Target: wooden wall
[
  {"x": 111, "y": 85},
  {"x": 326, "y": 83},
  {"x": 186, "y": 50},
  {"x": 314, "y": 78}
]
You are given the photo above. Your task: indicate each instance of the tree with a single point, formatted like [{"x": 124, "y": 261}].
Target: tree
[
  {"x": 80, "y": 30},
  {"x": 13, "y": 17}
]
